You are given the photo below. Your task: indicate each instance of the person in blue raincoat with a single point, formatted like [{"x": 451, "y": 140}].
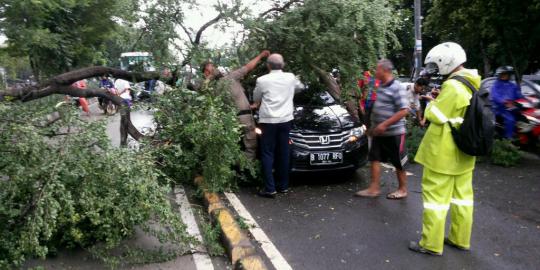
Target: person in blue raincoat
[{"x": 503, "y": 95}]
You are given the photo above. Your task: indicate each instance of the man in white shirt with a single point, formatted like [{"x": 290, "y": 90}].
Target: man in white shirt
[{"x": 274, "y": 95}]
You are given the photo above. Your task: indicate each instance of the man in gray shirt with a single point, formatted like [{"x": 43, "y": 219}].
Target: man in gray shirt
[
  {"x": 274, "y": 95},
  {"x": 388, "y": 134}
]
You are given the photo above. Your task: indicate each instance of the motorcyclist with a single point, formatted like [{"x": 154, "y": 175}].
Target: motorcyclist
[
  {"x": 105, "y": 82},
  {"x": 504, "y": 93}
]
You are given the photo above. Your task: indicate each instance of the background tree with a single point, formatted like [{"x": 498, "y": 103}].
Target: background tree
[
  {"x": 58, "y": 35},
  {"x": 493, "y": 33}
]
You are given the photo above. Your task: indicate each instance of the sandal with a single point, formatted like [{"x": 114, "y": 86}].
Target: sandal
[
  {"x": 396, "y": 195},
  {"x": 415, "y": 246},
  {"x": 366, "y": 194}
]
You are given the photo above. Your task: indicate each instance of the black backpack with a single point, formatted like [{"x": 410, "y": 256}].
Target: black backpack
[{"x": 475, "y": 136}]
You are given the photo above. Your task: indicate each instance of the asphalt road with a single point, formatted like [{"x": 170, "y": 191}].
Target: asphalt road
[{"x": 320, "y": 225}]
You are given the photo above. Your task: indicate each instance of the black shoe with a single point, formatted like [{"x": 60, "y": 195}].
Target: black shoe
[
  {"x": 283, "y": 191},
  {"x": 414, "y": 246},
  {"x": 452, "y": 244},
  {"x": 269, "y": 195}
]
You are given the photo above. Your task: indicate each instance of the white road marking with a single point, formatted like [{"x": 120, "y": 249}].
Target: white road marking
[
  {"x": 202, "y": 260},
  {"x": 267, "y": 246}
]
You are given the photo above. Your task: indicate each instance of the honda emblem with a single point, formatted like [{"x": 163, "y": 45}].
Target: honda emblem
[{"x": 324, "y": 140}]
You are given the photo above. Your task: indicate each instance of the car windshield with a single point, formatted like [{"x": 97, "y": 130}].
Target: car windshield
[{"x": 314, "y": 97}]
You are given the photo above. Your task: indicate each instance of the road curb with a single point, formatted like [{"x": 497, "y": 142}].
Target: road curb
[{"x": 241, "y": 251}]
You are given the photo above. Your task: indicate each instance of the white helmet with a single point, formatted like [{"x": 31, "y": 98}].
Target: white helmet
[{"x": 445, "y": 57}]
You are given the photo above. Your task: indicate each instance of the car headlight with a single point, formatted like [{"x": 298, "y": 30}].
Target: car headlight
[{"x": 356, "y": 133}]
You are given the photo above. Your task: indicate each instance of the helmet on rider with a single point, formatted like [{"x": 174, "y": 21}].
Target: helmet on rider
[
  {"x": 504, "y": 70},
  {"x": 445, "y": 58}
]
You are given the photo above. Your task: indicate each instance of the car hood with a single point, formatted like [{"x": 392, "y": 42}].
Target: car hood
[{"x": 328, "y": 119}]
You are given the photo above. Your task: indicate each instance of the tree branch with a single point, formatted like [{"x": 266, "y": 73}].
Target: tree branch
[
  {"x": 197, "y": 40},
  {"x": 280, "y": 9},
  {"x": 143, "y": 32},
  {"x": 188, "y": 33},
  {"x": 71, "y": 77},
  {"x": 62, "y": 84}
]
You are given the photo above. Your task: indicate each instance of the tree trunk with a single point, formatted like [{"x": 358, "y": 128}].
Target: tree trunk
[{"x": 485, "y": 59}]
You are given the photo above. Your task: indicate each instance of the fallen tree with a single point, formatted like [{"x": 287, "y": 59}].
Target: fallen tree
[{"x": 62, "y": 85}]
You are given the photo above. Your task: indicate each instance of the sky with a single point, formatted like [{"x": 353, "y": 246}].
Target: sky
[{"x": 205, "y": 12}]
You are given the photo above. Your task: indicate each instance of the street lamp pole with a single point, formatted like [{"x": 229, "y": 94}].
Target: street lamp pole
[{"x": 417, "y": 37}]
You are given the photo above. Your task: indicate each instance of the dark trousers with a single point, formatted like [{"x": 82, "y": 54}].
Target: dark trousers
[{"x": 275, "y": 151}]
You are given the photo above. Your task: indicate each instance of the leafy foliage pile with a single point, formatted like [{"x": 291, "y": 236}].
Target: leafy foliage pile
[
  {"x": 63, "y": 185},
  {"x": 505, "y": 154},
  {"x": 203, "y": 137}
]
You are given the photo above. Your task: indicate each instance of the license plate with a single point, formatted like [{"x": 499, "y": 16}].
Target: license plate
[{"x": 325, "y": 158}]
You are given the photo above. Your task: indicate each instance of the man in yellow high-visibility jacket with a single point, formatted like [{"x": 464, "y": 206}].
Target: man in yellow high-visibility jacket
[{"x": 447, "y": 176}]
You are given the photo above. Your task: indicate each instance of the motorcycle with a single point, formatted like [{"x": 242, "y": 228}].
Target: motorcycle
[
  {"x": 528, "y": 123},
  {"x": 527, "y": 112}
]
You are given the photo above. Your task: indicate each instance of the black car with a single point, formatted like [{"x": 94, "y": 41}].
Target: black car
[{"x": 324, "y": 136}]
